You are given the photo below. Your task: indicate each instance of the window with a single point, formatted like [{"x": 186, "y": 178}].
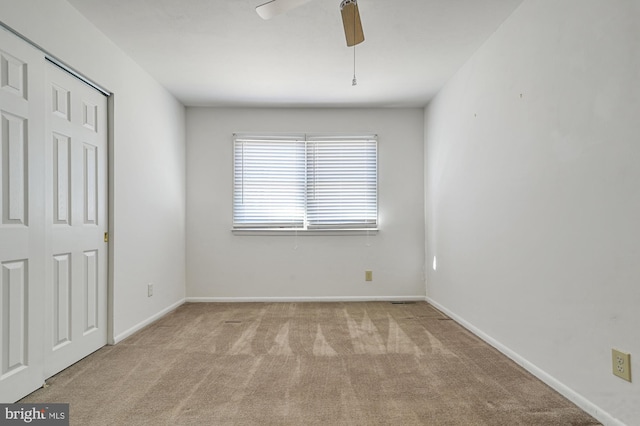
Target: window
[{"x": 305, "y": 182}]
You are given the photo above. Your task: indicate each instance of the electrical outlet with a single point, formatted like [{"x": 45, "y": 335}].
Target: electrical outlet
[
  {"x": 149, "y": 290},
  {"x": 368, "y": 275},
  {"x": 621, "y": 364}
]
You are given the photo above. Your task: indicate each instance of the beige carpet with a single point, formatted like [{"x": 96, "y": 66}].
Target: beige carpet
[{"x": 373, "y": 363}]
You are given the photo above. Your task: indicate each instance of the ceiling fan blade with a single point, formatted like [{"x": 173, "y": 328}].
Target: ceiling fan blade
[
  {"x": 276, "y": 7},
  {"x": 351, "y": 22}
]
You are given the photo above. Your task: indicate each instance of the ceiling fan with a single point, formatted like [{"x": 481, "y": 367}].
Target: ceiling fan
[{"x": 348, "y": 8}]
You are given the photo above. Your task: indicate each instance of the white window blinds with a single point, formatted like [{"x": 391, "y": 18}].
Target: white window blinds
[
  {"x": 269, "y": 183},
  {"x": 305, "y": 182},
  {"x": 342, "y": 187}
]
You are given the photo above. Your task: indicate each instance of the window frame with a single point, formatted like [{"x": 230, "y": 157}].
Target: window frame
[{"x": 307, "y": 138}]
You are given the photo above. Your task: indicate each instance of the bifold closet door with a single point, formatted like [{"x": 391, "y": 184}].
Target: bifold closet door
[
  {"x": 76, "y": 154},
  {"x": 22, "y": 224}
]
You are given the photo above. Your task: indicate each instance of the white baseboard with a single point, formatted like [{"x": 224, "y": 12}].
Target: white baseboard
[
  {"x": 120, "y": 337},
  {"x": 586, "y": 405},
  {"x": 308, "y": 299}
]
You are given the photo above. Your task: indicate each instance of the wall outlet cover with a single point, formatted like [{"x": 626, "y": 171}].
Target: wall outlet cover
[{"x": 621, "y": 364}]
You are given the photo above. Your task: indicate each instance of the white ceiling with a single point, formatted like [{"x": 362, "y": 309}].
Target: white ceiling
[{"x": 220, "y": 53}]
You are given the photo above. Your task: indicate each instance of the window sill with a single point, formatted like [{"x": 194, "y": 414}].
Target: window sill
[{"x": 304, "y": 232}]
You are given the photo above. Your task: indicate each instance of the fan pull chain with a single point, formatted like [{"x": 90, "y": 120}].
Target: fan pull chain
[{"x": 354, "y": 81}]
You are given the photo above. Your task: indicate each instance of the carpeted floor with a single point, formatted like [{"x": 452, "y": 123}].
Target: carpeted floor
[{"x": 374, "y": 363}]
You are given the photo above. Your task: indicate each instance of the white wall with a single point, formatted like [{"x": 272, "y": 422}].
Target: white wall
[
  {"x": 533, "y": 195},
  {"x": 147, "y": 159},
  {"x": 222, "y": 265}
]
